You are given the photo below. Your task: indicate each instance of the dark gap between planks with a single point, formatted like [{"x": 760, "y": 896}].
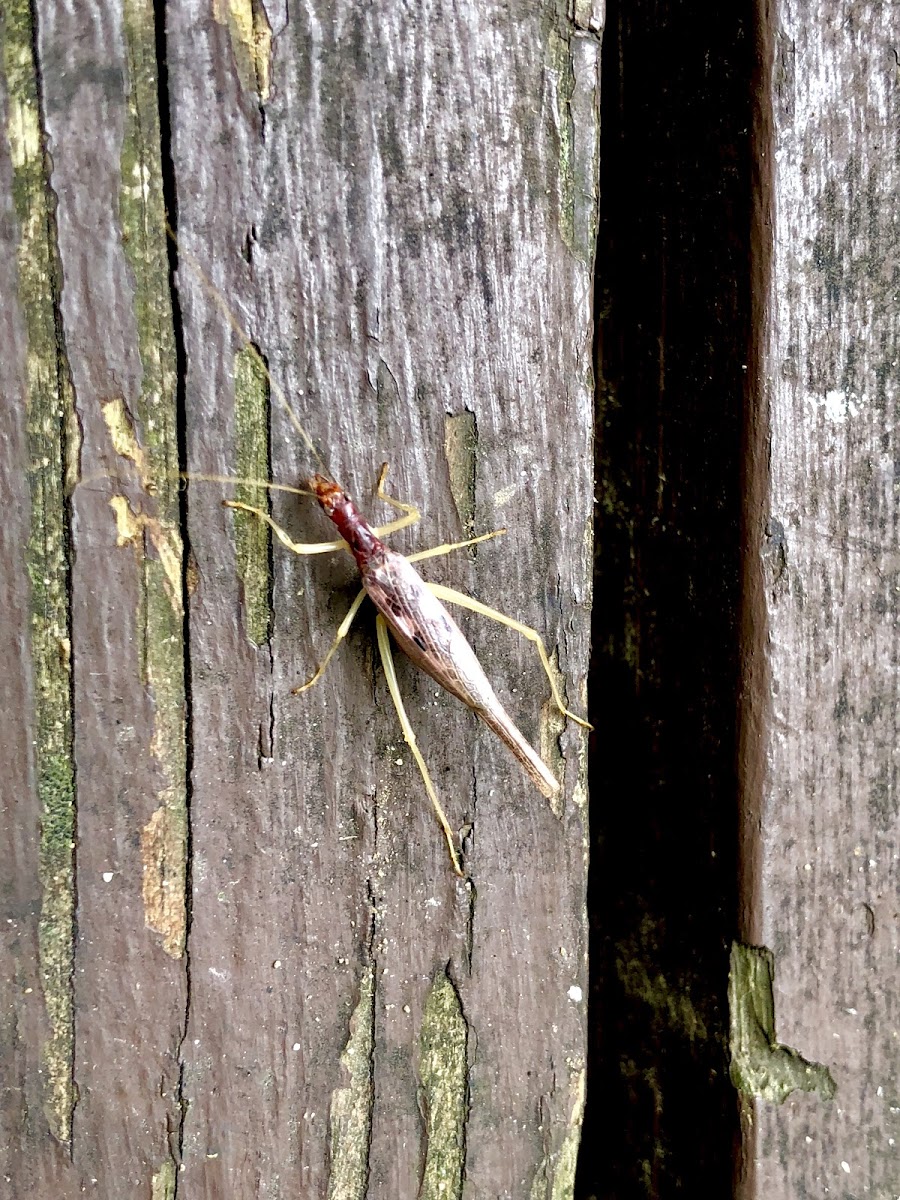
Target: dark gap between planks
[{"x": 672, "y": 342}]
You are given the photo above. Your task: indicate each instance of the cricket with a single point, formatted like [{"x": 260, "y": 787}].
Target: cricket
[{"x": 409, "y": 608}]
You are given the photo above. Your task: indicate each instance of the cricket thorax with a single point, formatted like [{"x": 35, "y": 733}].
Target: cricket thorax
[{"x": 351, "y": 524}]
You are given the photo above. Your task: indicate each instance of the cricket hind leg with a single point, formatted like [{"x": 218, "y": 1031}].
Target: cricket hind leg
[
  {"x": 387, "y": 660},
  {"x": 464, "y": 601}
]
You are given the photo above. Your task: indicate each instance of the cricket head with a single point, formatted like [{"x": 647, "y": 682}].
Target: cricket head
[{"x": 328, "y": 494}]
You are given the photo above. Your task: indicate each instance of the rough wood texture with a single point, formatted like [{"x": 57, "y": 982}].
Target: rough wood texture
[
  {"x": 274, "y": 985},
  {"x": 820, "y": 733}
]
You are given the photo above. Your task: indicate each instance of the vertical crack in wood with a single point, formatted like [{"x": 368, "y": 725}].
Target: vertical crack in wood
[
  {"x": 552, "y": 727},
  {"x": 150, "y": 441},
  {"x": 52, "y": 450},
  {"x": 760, "y": 1065},
  {"x": 760, "y": 541},
  {"x": 754, "y": 696},
  {"x": 253, "y": 538},
  {"x": 443, "y": 1076},
  {"x": 352, "y": 1106}
]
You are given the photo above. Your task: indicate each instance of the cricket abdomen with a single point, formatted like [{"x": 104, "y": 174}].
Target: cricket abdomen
[{"x": 425, "y": 631}]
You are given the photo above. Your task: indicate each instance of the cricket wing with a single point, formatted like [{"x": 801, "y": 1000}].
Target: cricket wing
[{"x": 430, "y": 637}]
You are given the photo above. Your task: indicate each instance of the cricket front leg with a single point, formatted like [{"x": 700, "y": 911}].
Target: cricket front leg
[
  {"x": 387, "y": 660},
  {"x": 283, "y": 536},
  {"x": 411, "y": 513}
]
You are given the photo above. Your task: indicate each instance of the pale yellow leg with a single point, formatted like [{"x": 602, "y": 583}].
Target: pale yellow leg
[
  {"x": 343, "y": 630},
  {"x": 460, "y": 598},
  {"x": 412, "y": 513},
  {"x": 447, "y": 547},
  {"x": 387, "y": 660},
  {"x": 284, "y": 537}
]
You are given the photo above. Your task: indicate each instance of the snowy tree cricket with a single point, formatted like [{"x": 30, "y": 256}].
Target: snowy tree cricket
[
  {"x": 412, "y": 609},
  {"x": 408, "y": 606}
]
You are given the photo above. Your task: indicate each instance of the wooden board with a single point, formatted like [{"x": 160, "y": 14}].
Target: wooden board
[
  {"x": 240, "y": 962},
  {"x": 814, "y": 978}
]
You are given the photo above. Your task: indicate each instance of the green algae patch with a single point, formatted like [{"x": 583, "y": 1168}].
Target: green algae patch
[
  {"x": 253, "y": 540},
  {"x": 563, "y": 69},
  {"x": 251, "y": 42},
  {"x": 460, "y": 444},
  {"x": 162, "y": 1185},
  {"x": 443, "y": 1076},
  {"x": 351, "y": 1106},
  {"x": 760, "y": 1065}
]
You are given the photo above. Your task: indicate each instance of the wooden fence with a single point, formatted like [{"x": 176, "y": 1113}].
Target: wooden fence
[{"x": 236, "y": 960}]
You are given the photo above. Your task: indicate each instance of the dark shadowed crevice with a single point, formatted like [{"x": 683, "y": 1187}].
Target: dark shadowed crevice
[
  {"x": 673, "y": 317},
  {"x": 170, "y": 199}
]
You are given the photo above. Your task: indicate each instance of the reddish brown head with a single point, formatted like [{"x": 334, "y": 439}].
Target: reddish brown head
[{"x": 328, "y": 494}]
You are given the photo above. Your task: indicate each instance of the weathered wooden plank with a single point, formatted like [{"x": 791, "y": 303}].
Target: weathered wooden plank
[
  {"x": 400, "y": 206},
  {"x": 819, "y": 751},
  {"x": 102, "y": 695}
]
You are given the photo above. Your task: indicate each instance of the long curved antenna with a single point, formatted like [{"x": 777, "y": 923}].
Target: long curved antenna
[
  {"x": 240, "y": 481},
  {"x": 220, "y": 301}
]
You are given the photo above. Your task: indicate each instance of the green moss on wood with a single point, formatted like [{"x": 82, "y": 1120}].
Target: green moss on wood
[
  {"x": 253, "y": 543},
  {"x": 351, "y": 1107},
  {"x": 153, "y": 447},
  {"x": 561, "y": 65},
  {"x": 49, "y": 408},
  {"x": 460, "y": 443},
  {"x": 443, "y": 1073},
  {"x": 555, "y": 1177},
  {"x": 760, "y": 1066},
  {"x": 162, "y": 1185}
]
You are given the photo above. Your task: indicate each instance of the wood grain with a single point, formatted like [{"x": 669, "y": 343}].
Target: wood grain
[{"x": 820, "y": 723}]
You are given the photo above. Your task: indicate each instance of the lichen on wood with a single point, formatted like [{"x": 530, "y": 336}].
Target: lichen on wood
[
  {"x": 443, "y": 1074},
  {"x": 49, "y": 406},
  {"x": 760, "y": 1065}
]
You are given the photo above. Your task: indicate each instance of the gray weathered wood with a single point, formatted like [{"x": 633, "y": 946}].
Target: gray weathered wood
[
  {"x": 820, "y": 729},
  {"x": 275, "y": 985}
]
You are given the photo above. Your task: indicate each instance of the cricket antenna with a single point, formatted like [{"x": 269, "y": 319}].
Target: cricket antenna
[
  {"x": 258, "y": 360},
  {"x": 239, "y": 481}
]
